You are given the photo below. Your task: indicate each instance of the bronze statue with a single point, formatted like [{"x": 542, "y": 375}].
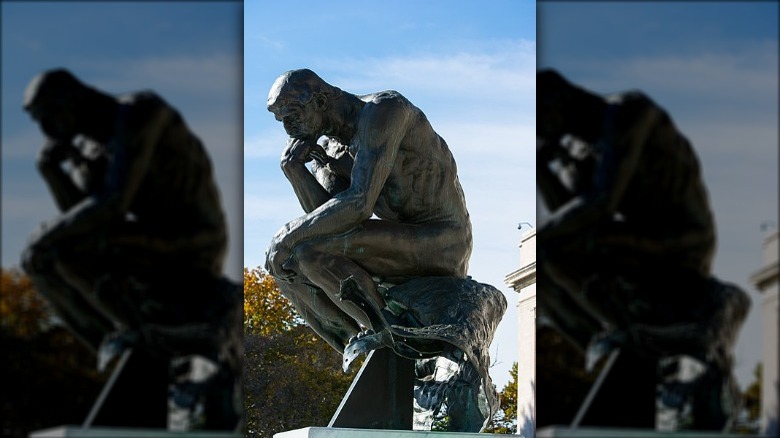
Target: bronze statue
[
  {"x": 625, "y": 255},
  {"x": 135, "y": 258},
  {"x": 383, "y": 207}
]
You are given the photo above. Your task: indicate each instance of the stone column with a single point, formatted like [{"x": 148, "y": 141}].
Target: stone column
[
  {"x": 766, "y": 281},
  {"x": 524, "y": 281}
]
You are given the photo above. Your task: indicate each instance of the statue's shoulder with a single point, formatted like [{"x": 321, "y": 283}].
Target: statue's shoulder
[
  {"x": 636, "y": 103},
  {"x": 143, "y": 97},
  {"x": 386, "y": 98},
  {"x": 145, "y": 105},
  {"x": 386, "y": 103},
  {"x": 630, "y": 98}
]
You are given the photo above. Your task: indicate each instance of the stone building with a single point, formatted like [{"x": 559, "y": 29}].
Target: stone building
[
  {"x": 523, "y": 281},
  {"x": 766, "y": 281}
]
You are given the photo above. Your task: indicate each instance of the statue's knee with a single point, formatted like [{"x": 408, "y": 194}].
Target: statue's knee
[
  {"x": 305, "y": 254},
  {"x": 37, "y": 261}
]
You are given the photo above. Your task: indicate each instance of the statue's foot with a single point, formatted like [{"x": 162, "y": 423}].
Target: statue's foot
[
  {"x": 114, "y": 344},
  {"x": 361, "y": 334},
  {"x": 602, "y": 344},
  {"x": 364, "y": 342}
]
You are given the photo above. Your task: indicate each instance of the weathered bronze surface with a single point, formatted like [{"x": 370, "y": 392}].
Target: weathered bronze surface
[{"x": 380, "y": 257}]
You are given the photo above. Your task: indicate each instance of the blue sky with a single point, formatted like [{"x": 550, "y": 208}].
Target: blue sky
[
  {"x": 189, "y": 53},
  {"x": 714, "y": 67},
  {"x": 470, "y": 66}
]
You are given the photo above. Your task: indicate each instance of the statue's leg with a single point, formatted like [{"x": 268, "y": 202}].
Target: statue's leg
[
  {"x": 564, "y": 271},
  {"x": 86, "y": 321},
  {"x": 561, "y": 277},
  {"x": 328, "y": 270},
  {"x": 394, "y": 251},
  {"x": 567, "y": 315},
  {"x": 320, "y": 313}
]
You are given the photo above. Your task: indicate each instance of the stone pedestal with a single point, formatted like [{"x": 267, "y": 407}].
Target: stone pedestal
[
  {"x": 123, "y": 432},
  {"x": 144, "y": 377},
  {"x": 607, "y": 432},
  {"x": 333, "y": 432},
  {"x": 381, "y": 396},
  {"x": 629, "y": 379}
]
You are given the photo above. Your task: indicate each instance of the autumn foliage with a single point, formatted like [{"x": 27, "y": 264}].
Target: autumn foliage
[
  {"x": 292, "y": 378},
  {"x": 505, "y": 419},
  {"x": 266, "y": 311},
  {"x": 48, "y": 378},
  {"x": 23, "y": 313}
]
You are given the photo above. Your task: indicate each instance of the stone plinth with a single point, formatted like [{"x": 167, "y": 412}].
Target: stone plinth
[
  {"x": 335, "y": 432},
  {"x": 123, "y": 432},
  {"x": 605, "y": 432}
]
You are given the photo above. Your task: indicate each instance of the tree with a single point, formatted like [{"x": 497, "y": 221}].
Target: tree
[
  {"x": 750, "y": 420},
  {"x": 292, "y": 378},
  {"x": 562, "y": 382},
  {"x": 48, "y": 377},
  {"x": 266, "y": 311},
  {"x": 505, "y": 419}
]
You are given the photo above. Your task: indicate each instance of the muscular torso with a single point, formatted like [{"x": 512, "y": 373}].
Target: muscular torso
[
  {"x": 422, "y": 186},
  {"x": 666, "y": 194},
  {"x": 177, "y": 196},
  {"x": 665, "y": 206}
]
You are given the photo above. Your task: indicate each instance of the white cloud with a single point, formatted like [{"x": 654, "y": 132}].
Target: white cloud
[
  {"x": 499, "y": 72},
  {"x": 259, "y": 41},
  {"x": 22, "y": 144},
  {"x": 731, "y": 78},
  {"x": 268, "y": 144},
  {"x": 747, "y": 73},
  {"x": 170, "y": 74}
]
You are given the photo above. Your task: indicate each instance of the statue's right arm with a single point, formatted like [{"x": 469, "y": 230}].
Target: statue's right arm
[
  {"x": 134, "y": 149},
  {"x": 553, "y": 191},
  {"x": 310, "y": 193},
  {"x": 63, "y": 188}
]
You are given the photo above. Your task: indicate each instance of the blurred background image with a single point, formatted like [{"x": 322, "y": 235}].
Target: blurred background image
[
  {"x": 188, "y": 53},
  {"x": 714, "y": 67}
]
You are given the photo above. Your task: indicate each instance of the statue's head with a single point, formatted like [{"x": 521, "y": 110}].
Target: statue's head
[
  {"x": 298, "y": 99},
  {"x": 52, "y": 99}
]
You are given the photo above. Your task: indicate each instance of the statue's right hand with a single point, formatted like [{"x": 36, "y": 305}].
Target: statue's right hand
[
  {"x": 54, "y": 152},
  {"x": 301, "y": 151}
]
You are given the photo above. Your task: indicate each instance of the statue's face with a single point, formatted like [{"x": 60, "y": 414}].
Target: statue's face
[
  {"x": 56, "y": 120},
  {"x": 302, "y": 121}
]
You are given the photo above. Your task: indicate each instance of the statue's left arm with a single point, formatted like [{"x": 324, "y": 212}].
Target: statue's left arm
[{"x": 132, "y": 155}]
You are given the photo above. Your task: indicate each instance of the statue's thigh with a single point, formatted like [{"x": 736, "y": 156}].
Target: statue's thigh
[{"x": 390, "y": 249}]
